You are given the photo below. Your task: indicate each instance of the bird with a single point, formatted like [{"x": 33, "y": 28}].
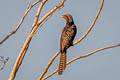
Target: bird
[{"x": 66, "y": 40}]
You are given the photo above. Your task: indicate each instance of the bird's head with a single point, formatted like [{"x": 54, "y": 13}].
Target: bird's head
[{"x": 68, "y": 18}]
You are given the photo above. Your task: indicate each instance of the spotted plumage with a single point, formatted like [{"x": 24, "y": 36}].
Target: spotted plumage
[{"x": 66, "y": 41}]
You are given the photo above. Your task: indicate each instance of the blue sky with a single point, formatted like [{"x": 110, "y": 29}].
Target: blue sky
[{"x": 101, "y": 66}]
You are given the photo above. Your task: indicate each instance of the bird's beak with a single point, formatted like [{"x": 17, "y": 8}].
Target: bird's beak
[{"x": 61, "y": 16}]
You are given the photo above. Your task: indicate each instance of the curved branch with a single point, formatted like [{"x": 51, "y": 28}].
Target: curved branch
[
  {"x": 91, "y": 26},
  {"x": 20, "y": 23},
  {"x": 82, "y": 56},
  {"x": 49, "y": 64},
  {"x": 91, "y": 53}
]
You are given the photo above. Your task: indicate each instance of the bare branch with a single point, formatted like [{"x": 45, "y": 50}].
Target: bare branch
[
  {"x": 4, "y": 61},
  {"x": 20, "y": 23},
  {"x": 42, "y": 23},
  {"x": 49, "y": 64},
  {"x": 26, "y": 44},
  {"x": 29, "y": 3},
  {"x": 82, "y": 56},
  {"x": 38, "y": 13},
  {"x": 50, "y": 13},
  {"x": 91, "y": 26}
]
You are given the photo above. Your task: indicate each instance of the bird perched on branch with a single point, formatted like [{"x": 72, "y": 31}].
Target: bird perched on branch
[{"x": 66, "y": 41}]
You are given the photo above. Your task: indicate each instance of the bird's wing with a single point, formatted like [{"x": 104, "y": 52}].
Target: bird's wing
[{"x": 67, "y": 37}]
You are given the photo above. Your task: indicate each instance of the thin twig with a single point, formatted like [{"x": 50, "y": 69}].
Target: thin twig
[
  {"x": 21, "y": 21},
  {"x": 47, "y": 67},
  {"x": 82, "y": 56},
  {"x": 4, "y": 61},
  {"x": 91, "y": 26},
  {"x": 42, "y": 23},
  {"x": 29, "y": 3},
  {"x": 91, "y": 53},
  {"x": 49, "y": 64},
  {"x": 38, "y": 13},
  {"x": 51, "y": 12}
]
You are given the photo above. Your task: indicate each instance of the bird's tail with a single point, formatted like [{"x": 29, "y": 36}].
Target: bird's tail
[{"x": 62, "y": 64}]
